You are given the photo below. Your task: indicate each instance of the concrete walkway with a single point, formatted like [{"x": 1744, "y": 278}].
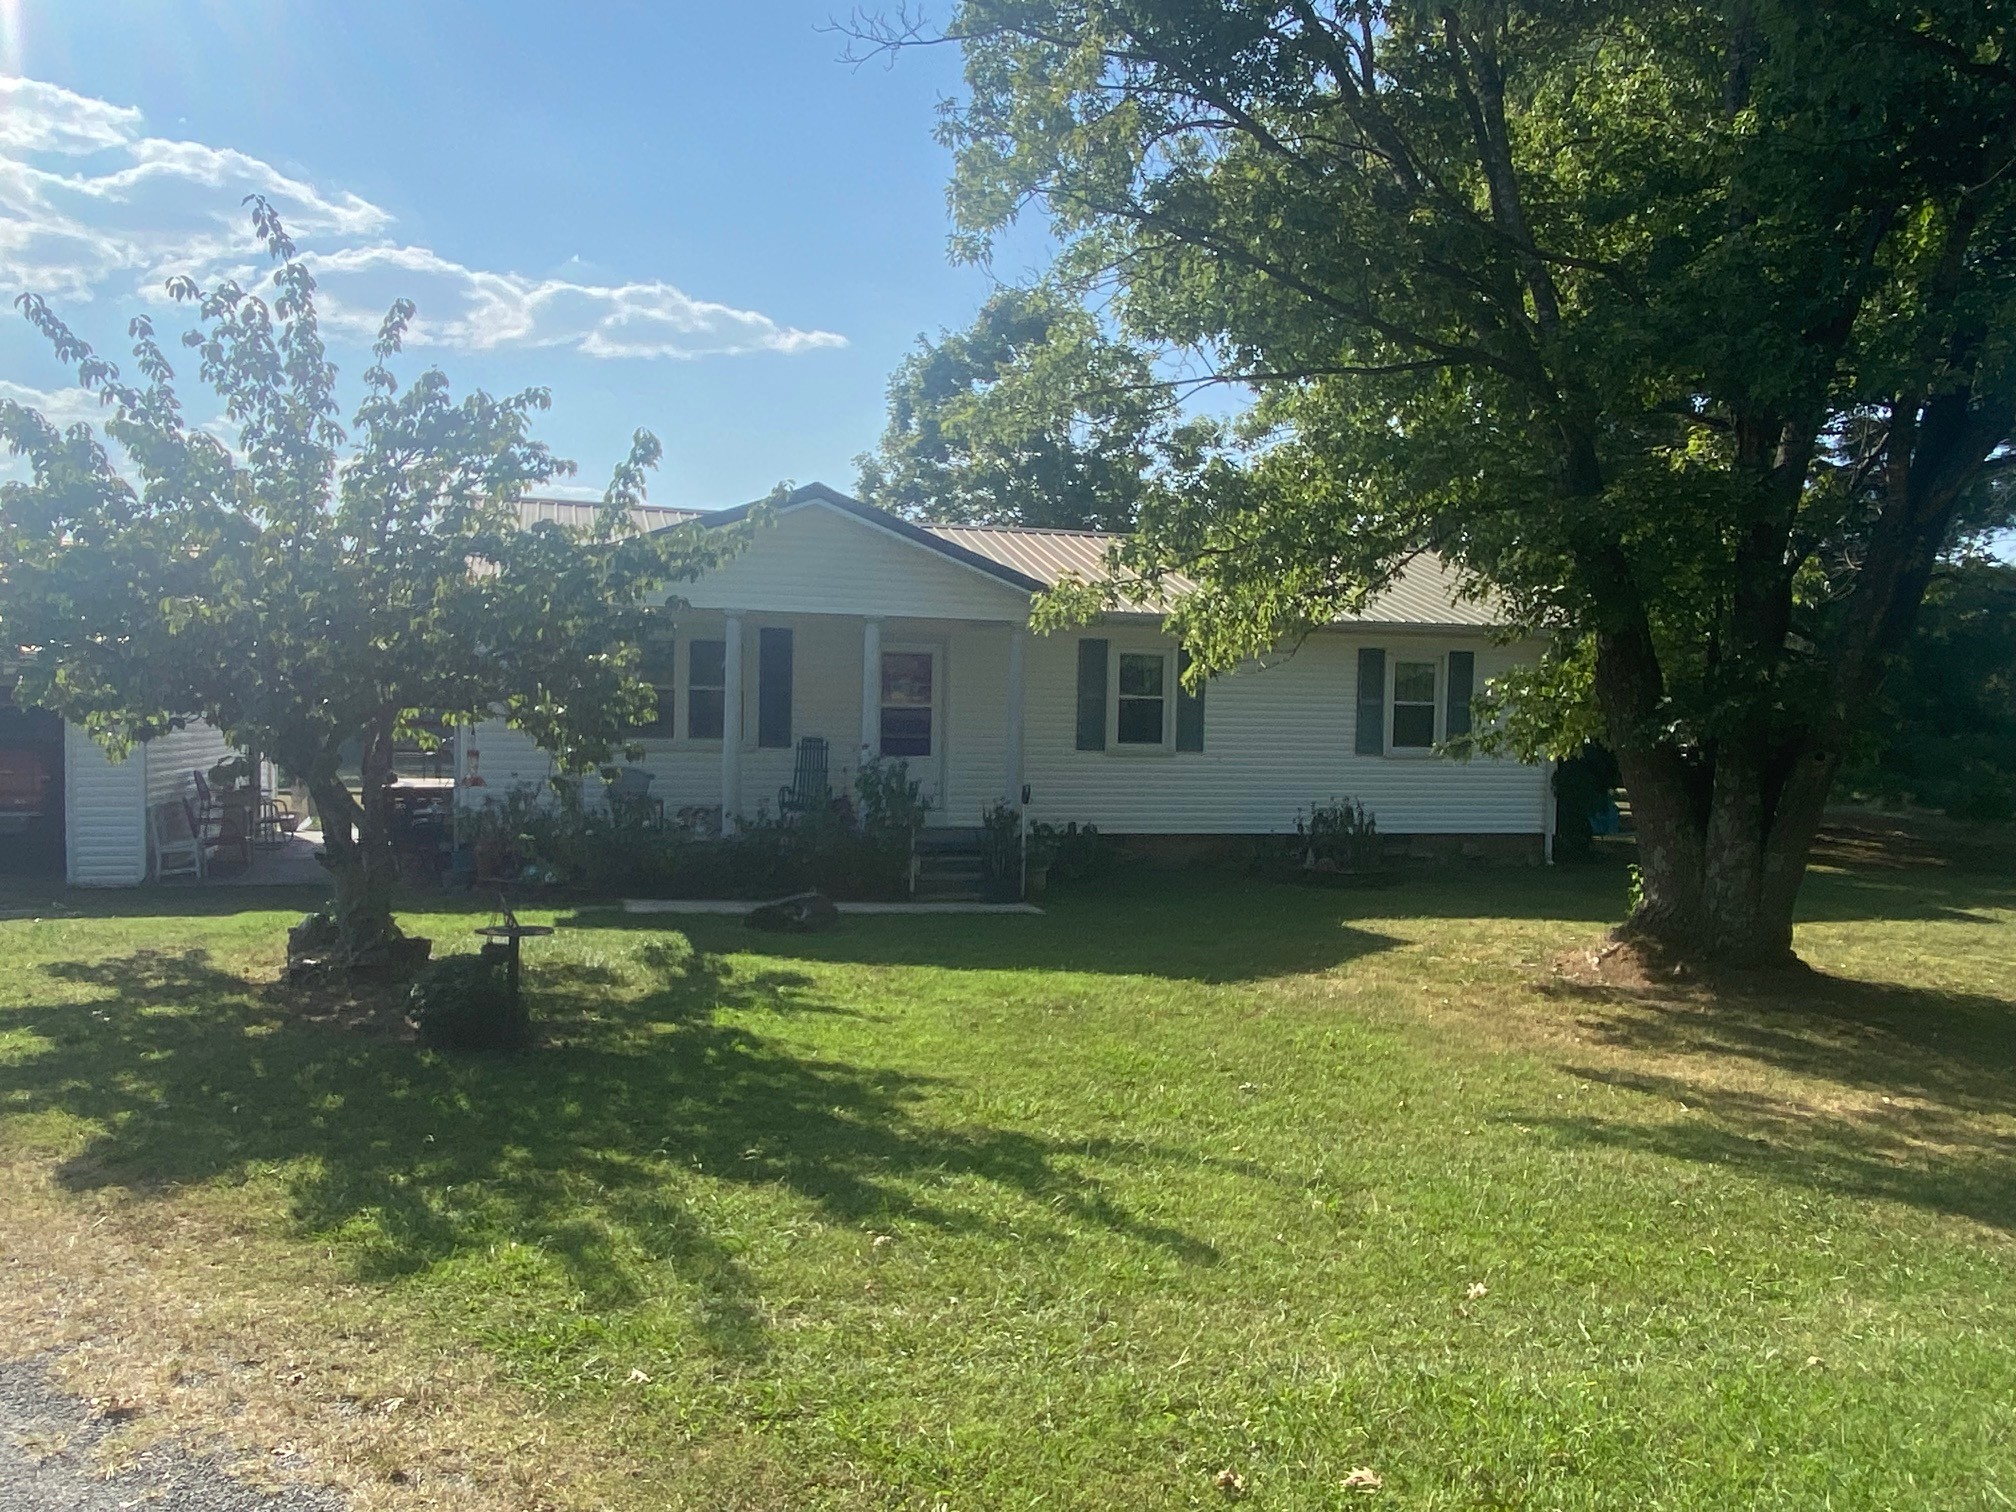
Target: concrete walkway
[{"x": 733, "y": 906}]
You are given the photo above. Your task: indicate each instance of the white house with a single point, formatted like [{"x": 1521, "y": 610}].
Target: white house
[
  {"x": 104, "y": 802},
  {"x": 889, "y": 638}
]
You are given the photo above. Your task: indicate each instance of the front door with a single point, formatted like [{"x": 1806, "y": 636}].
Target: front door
[{"x": 913, "y": 717}]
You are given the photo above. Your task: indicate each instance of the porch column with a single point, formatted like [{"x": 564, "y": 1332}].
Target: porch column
[
  {"x": 871, "y": 690},
  {"x": 731, "y": 725},
  {"x": 1011, "y": 764}
]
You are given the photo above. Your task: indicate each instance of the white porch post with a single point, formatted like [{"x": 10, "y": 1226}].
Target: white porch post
[
  {"x": 1011, "y": 764},
  {"x": 731, "y": 725},
  {"x": 871, "y": 690}
]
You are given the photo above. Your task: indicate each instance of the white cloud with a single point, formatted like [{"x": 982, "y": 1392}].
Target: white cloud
[
  {"x": 61, "y": 407},
  {"x": 38, "y": 117},
  {"x": 480, "y": 311},
  {"x": 90, "y": 203}
]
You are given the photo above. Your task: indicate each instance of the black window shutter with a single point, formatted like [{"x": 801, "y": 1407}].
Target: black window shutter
[
  {"x": 1371, "y": 701},
  {"x": 773, "y": 688},
  {"x": 1189, "y": 709},
  {"x": 1462, "y": 683},
  {"x": 1091, "y": 694}
]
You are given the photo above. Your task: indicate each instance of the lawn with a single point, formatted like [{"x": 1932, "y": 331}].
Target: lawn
[{"x": 1193, "y": 1191}]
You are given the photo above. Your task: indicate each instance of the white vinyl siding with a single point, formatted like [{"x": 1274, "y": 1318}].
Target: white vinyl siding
[
  {"x": 815, "y": 559},
  {"x": 104, "y": 814},
  {"x": 1277, "y": 739},
  {"x": 105, "y": 802},
  {"x": 170, "y": 760}
]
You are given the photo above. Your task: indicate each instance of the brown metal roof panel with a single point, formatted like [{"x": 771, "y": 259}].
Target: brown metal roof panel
[
  {"x": 579, "y": 514},
  {"x": 1427, "y": 591}
]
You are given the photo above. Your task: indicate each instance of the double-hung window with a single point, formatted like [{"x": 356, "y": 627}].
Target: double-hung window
[
  {"x": 706, "y": 688},
  {"x": 1414, "y": 700},
  {"x": 1131, "y": 700},
  {"x": 908, "y": 702},
  {"x": 1141, "y": 715}
]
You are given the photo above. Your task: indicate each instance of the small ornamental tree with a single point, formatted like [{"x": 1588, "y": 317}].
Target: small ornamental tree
[
  {"x": 318, "y": 585},
  {"x": 1686, "y": 331}
]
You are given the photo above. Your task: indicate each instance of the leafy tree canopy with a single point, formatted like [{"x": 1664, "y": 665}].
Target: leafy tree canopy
[
  {"x": 1945, "y": 735},
  {"x": 1034, "y": 416},
  {"x": 1688, "y": 332},
  {"x": 320, "y": 583}
]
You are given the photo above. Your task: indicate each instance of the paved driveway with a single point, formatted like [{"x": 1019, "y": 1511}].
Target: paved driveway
[{"x": 46, "y": 1463}]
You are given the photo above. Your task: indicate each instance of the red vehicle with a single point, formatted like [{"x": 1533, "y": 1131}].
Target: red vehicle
[{"x": 25, "y": 784}]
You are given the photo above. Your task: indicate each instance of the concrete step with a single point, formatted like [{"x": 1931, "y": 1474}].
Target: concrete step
[
  {"x": 948, "y": 892},
  {"x": 953, "y": 840},
  {"x": 944, "y": 864}
]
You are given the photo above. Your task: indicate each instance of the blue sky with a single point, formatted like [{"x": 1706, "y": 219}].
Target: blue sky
[{"x": 692, "y": 217}]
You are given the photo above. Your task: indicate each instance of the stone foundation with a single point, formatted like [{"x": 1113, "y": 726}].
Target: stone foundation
[{"x": 1493, "y": 851}]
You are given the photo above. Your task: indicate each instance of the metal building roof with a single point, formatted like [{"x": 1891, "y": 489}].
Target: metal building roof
[
  {"x": 579, "y": 514},
  {"x": 1427, "y": 592}
]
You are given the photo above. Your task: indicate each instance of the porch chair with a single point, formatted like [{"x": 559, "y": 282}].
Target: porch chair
[
  {"x": 177, "y": 845},
  {"x": 629, "y": 794},
  {"x": 221, "y": 820},
  {"x": 277, "y": 823},
  {"x": 206, "y": 801},
  {"x": 810, "y": 791}
]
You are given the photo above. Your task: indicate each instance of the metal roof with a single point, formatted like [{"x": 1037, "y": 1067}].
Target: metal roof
[
  {"x": 1427, "y": 592},
  {"x": 579, "y": 514}
]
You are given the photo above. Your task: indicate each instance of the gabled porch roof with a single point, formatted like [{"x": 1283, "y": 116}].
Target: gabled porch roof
[{"x": 928, "y": 537}]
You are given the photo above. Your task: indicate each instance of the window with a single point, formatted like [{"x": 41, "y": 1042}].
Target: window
[
  {"x": 706, "y": 668},
  {"x": 1143, "y": 700},
  {"x": 1413, "y": 705},
  {"x": 906, "y": 703}
]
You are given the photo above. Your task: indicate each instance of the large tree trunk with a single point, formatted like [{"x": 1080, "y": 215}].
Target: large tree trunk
[
  {"x": 1718, "y": 883},
  {"x": 363, "y": 870},
  {"x": 1723, "y": 834}
]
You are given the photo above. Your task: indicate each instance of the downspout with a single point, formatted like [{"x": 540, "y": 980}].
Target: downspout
[{"x": 1548, "y": 801}]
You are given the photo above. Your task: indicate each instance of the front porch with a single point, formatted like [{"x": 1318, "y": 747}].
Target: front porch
[
  {"x": 288, "y": 861},
  {"x": 944, "y": 698},
  {"x": 740, "y": 691}
]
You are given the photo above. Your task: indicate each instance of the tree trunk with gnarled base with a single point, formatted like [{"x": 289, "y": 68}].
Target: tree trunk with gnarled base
[
  {"x": 1717, "y": 889},
  {"x": 360, "y": 934}
]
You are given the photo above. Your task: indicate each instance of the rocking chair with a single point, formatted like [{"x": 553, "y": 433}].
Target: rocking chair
[{"x": 809, "y": 792}]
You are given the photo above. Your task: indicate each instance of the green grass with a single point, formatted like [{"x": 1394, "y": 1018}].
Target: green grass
[{"x": 1081, "y": 1211}]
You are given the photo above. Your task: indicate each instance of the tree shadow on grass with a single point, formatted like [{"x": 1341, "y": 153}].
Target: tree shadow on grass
[
  {"x": 1223, "y": 927},
  {"x": 592, "y": 1148},
  {"x": 1861, "y": 1088},
  {"x": 1928, "y": 895},
  {"x": 1206, "y": 929}
]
